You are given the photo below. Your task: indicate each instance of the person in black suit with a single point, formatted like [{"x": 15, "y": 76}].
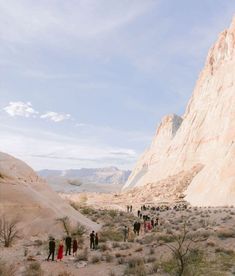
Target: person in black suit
[
  {"x": 51, "y": 249},
  {"x": 68, "y": 243},
  {"x": 92, "y": 240}
]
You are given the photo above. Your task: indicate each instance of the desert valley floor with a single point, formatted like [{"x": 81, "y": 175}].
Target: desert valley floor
[{"x": 205, "y": 235}]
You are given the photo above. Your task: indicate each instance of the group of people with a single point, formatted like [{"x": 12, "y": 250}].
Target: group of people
[
  {"x": 145, "y": 220},
  {"x": 69, "y": 245}
]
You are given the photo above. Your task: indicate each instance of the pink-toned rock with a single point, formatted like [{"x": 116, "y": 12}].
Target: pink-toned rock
[
  {"x": 206, "y": 135},
  {"x": 29, "y": 198}
]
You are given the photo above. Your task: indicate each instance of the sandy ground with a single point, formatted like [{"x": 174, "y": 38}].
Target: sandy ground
[{"x": 217, "y": 223}]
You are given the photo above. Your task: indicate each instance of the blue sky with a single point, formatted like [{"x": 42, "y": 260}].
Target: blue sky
[{"x": 85, "y": 83}]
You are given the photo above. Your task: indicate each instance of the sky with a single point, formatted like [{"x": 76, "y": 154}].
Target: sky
[{"x": 84, "y": 83}]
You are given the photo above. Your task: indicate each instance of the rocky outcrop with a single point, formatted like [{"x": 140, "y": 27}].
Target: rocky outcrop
[
  {"x": 206, "y": 135},
  {"x": 23, "y": 194}
]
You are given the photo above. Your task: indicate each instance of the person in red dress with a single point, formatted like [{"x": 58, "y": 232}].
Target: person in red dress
[{"x": 60, "y": 251}]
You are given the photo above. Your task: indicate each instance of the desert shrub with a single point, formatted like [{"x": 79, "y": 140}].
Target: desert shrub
[
  {"x": 65, "y": 273},
  {"x": 154, "y": 268},
  {"x": 224, "y": 250},
  {"x": 125, "y": 246},
  {"x": 115, "y": 245},
  {"x": 87, "y": 211},
  {"x": 103, "y": 247},
  {"x": 6, "y": 270},
  {"x": 183, "y": 251},
  {"x": 38, "y": 243},
  {"x": 167, "y": 238},
  {"x": 118, "y": 255},
  {"x": 80, "y": 230},
  {"x": 139, "y": 249},
  {"x": 136, "y": 266},
  {"x": 192, "y": 264},
  {"x": 8, "y": 231},
  {"x": 112, "y": 273},
  {"x": 113, "y": 213},
  {"x": 224, "y": 219},
  {"x": 111, "y": 235},
  {"x": 151, "y": 251},
  {"x": 148, "y": 239},
  {"x": 121, "y": 260},
  {"x": 150, "y": 259},
  {"x": 210, "y": 243},
  {"x": 95, "y": 259},
  {"x": 226, "y": 233},
  {"x": 34, "y": 269},
  {"x": 82, "y": 256},
  {"x": 108, "y": 257}
]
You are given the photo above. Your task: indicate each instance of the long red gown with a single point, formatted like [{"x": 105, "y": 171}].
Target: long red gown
[{"x": 60, "y": 252}]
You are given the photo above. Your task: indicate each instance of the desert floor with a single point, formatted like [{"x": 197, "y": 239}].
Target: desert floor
[{"x": 202, "y": 240}]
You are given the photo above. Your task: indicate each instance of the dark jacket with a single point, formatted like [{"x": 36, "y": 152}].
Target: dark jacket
[
  {"x": 52, "y": 245},
  {"x": 68, "y": 241}
]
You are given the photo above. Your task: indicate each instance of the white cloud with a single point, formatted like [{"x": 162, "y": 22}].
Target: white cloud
[
  {"x": 20, "y": 109},
  {"x": 55, "y": 117},
  {"x": 26, "y": 110}
]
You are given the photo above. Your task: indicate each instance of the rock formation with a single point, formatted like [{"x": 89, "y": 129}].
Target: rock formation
[
  {"x": 204, "y": 137},
  {"x": 23, "y": 194}
]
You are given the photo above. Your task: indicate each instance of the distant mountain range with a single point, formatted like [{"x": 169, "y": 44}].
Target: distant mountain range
[{"x": 110, "y": 179}]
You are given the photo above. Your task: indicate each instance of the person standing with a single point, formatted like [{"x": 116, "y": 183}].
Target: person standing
[
  {"x": 152, "y": 223},
  {"x": 138, "y": 225},
  {"x": 60, "y": 251},
  {"x": 135, "y": 227},
  {"x": 75, "y": 246},
  {"x": 130, "y": 208},
  {"x": 51, "y": 249},
  {"x": 68, "y": 242},
  {"x": 125, "y": 233},
  {"x": 96, "y": 241},
  {"x": 92, "y": 240}
]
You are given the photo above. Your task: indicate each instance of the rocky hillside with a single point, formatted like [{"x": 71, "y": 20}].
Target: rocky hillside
[
  {"x": 203, "y": 137},
  {"x": 23, "y": 194}
]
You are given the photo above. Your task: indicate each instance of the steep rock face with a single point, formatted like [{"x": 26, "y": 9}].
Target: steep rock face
[
  {"x": 26, "y": 196},
  {"x": 164, "y": 135},
  {"x": 206, "y": 135}
]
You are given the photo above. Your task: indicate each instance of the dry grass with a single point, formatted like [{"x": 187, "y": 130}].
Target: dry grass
[
  {"x": 136, "y": 266},
  {"x": 95, "y": 259},
  {"x": 7, "y": 270},
  {"x": 34, "y": 269},
  {"x": 82, "y": 256}
]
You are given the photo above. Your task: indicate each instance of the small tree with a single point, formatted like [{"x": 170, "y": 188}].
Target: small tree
[
  {"x": 8, "y": 231},
  {"x": 66, "y": 224},
  {"x": 182, "y": 247}
]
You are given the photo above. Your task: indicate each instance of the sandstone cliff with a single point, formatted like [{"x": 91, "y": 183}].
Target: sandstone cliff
[{"x": 204, "y": 138}]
